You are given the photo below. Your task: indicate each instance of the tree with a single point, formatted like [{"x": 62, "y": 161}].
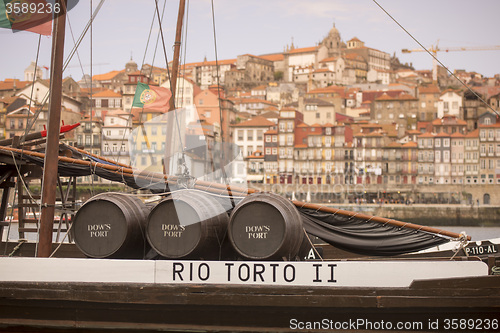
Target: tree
[{"x": 278, "y": 76}]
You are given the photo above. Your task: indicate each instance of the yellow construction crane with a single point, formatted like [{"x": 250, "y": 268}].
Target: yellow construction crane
[{"x": 435, "y": 49}]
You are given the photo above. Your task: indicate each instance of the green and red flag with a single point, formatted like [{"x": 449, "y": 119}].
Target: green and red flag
[
  {"x": 151, "y": 97},
  {"x": 28, "y": 15}
]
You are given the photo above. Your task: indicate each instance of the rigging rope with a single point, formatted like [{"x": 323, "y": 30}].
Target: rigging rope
[
  {"x": 222, "y": 167},
  {"x": 91, "y": 97},
  {"x": 174, "y": 93},
  {"x": 32, "y": 89},
  {"x": 66, "y": 63},
  {"x": 435, "y": 58},
  {"x": 160, "y": 20}
]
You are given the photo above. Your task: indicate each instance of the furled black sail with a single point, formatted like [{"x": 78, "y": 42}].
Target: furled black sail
[{"x": 366, "y": 237}]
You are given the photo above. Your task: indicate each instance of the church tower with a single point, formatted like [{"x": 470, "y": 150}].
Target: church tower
[{"x": 333, "y": 42}]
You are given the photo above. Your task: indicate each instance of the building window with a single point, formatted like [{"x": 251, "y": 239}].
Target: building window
[{"x": 446, "y": 156}]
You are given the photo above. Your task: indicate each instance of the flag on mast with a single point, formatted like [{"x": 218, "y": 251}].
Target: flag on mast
[
  {"x": 151, "y": 97},
  {"x": 27, "y": 15}
]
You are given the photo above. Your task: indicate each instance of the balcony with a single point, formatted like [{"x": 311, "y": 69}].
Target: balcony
[{"x": 93, "y": 145}]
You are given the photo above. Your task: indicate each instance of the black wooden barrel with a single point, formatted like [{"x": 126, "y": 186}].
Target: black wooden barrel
[
  {"x": 188, "y": 224},
  {"x": 112, "y": 225},
  {"x": 266, "y": 226}
]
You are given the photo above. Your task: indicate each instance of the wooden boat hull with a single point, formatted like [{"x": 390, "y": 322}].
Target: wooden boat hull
[{"x": 53, "y": 306}]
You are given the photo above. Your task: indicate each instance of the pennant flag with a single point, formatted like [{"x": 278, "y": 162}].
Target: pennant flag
[
  {"x": 27, "y": 15},
  {"x": 151, "y": 97}
]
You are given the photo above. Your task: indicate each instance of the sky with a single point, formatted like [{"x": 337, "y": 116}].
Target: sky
[{"x": 120, "y": 32}]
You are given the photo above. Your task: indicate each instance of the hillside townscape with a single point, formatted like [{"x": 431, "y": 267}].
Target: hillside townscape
[{"x": 339, "y": 121}]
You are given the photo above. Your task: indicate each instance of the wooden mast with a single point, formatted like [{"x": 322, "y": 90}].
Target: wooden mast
[
  {"x": 173, "y": 81},
  {"x": 49, "y": 180}
]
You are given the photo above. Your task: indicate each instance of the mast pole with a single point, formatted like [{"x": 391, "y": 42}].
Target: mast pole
[
  {"x": 177, "y": 49},
  {"x": 49, "y": 180},
  {"x": 173, "y": 81}
]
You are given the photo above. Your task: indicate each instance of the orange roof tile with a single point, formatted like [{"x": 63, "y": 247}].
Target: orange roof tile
[
  {"x": 8, "y": 84},
  {"x": 432, "y": 89},
  {"x": 106, "y": 76},
  {"x": 473, "y": 134},
  {"x": 258, "y": 121},
  {"x": 410, "y": 144},
  {"x": 107, "y": 93},
  {"x": 304, "y": 50},
  {"x": 497, "y": 124},
  {"x": 427, "y": 135},
  {"x": 329, "y": 59},
  {"x": 273, "y": 57}
]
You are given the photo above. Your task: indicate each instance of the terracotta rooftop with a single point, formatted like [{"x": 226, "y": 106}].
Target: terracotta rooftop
[
  {"x": 258, "y": 121},
  {"x": 107, "y": 93},
  {"x": 473, "y": 134},
  {"x": 303, "y": 50},
  {"x": 273, "y": 57},
  {"x": 427, "y": 135},
  {"x": 106, "y": 76},
  {"x": 410, "y": 144}
]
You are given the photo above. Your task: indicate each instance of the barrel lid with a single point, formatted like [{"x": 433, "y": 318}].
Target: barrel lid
[
  {"x": 257, "y": 229},
  {"x": 174, "y": 228},
  {"x": 100, "y": 228}
]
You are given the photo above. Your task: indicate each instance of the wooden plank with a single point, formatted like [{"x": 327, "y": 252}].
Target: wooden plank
[
  {"x": 36, "y": 230},
  {"x": 167, "y": 307},
  {"x": 480, "y": 282}
]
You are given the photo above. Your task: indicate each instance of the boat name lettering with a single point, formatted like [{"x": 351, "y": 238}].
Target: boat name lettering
[
  {"x": 257, "y": 231},
  {"x": 251, "y": 273},
  {"x": 99, "y": 230},
  {"x": 179, "y": 274},
  {"x": 172, "y": 230}
]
